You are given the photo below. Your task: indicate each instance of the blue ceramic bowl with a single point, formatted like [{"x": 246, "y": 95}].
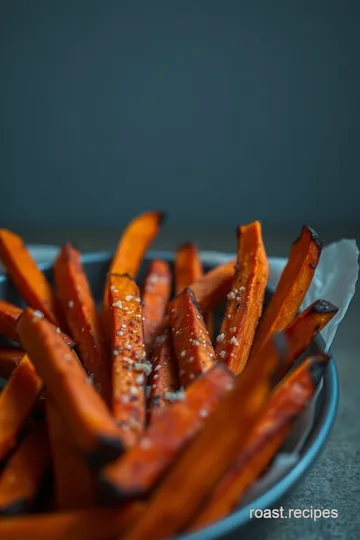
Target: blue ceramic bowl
[{"x": 239, "y": 522}]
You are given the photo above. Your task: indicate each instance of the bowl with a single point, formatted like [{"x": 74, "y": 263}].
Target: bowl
[{"x": 239, "y": 522}]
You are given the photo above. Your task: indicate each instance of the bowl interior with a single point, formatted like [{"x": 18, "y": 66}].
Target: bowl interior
[{"x": 96, "y": 266}]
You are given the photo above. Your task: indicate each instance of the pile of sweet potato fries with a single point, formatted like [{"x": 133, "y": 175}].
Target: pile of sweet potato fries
[{"x": 136, "y": 421}]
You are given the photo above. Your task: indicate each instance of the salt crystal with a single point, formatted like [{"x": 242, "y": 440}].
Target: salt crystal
[
  {"x": 175, "y": 396},
  {"x": 145, "y": 443}
]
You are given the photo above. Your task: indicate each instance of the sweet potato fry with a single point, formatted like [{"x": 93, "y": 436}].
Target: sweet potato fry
[
  {"x": 155, "y": 295},
  {"x": 134, "y": 242},
  {"x": 140, "y": 468},
  {"x": 207, "y": 456},
  {"x": 9, "y": 359},
  {"x": 9, "y": 315},
  {"x": 92, "y": 524},
  {"x": 163, "y": 379},
  {"x": 300, "y": 332},
  {"x": 28, "y": 279},
  {"x": 187, "y": 267},
  {"x": 192, "y": 345},
  {"x": 187, "y": 270},
  {"x": 212, "y": 288},
  {"x": 74, "y": 484},
  {"x": 81, "y": 315},
  {"x": 130, "y": 251},
  {"x": 245, "y": 301},
  {"x": 21, "y": 479},
  {"x": 93, "y": 428},
  {"x": 296, "y": 337},
  {"x": 129, "y": 360},
  {"x": 293, "y": 285},
  {"x": 286, "y": 402},
  {"x": 16, "y": 402}
]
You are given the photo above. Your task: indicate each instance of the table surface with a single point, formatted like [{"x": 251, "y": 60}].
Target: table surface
[{"x": 334, "y": 481}]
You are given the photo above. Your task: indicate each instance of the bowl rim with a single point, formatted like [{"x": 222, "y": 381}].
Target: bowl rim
[{"x": 316, "y": 442}]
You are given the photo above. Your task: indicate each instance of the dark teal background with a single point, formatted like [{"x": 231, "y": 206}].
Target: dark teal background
[{"x": 220, "y": 112}]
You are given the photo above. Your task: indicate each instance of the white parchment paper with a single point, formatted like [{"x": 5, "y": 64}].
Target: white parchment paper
[{"x": 335, "y": 279}]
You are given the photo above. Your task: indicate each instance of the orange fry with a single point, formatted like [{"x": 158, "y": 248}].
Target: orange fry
[
  {"x": 134, "y": 242},
  {"x": 93, "y": 428},
  {"x": 163, "y": 379},
  {"x": 92, "y": 524},
  {"x": 293, "y": 285},
  {"x": 129, "y": 361},
  {"x": 301, "y": 331},
  {"x": 155, "y": 295},
  {"x": 28, "y": 279},
  {"x": 74, "y": 485},
  {"x": 16, "y": 403},
  {"x": 81, "y": 315},
  {"x": 192, "y": 345},
  {"x": 9, "y": 359},
  {"x": 21, "y": 479},
  {"x": 245, "y": 301},
  {"x": 187, "y": 270},
  {"x": 131, "y": 249},
  {"x": 187, "y": 267},
  {"x": 212, "y": 288},
  {"x": 9, "y": 315}
]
